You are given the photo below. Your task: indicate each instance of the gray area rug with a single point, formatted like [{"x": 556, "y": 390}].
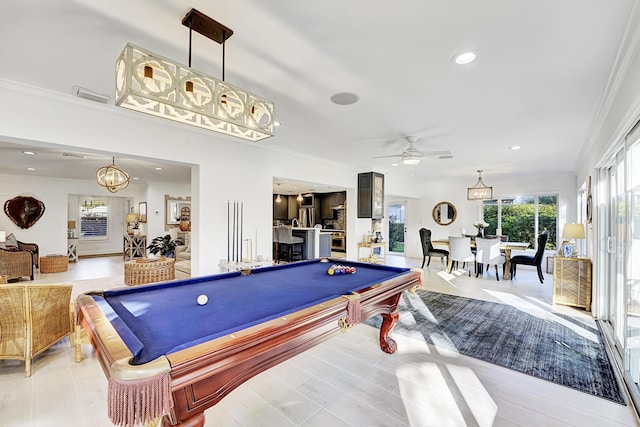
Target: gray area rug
[{"x": 547, "y": 345}]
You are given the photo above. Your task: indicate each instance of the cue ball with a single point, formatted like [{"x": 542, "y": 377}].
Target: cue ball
[{"x": 203, "y": 299}]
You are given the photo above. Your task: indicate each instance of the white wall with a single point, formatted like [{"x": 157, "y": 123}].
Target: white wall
[{"x": 50, "y": 232}]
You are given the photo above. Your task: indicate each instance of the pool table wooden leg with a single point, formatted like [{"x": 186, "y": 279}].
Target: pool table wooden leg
[
  {"x": 389, "y": 320},
  {"x": 195, "y": 421}
]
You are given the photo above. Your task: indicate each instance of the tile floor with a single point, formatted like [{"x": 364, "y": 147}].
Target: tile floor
[{"x": 346, "y": 381}]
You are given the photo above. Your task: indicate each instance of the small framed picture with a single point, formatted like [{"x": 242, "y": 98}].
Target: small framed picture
[{"x": 142, "y": 211}]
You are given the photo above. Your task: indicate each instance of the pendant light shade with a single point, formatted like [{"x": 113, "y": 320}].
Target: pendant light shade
[
  {"x": 480, "y": 191},
  {"x": 112, "y": 178},
  {"x": 153, "y": 84}
]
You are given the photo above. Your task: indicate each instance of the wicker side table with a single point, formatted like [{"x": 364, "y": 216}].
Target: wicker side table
[
  {"x": 138, "y": 272},
  {"x": 53, "y": 263}
]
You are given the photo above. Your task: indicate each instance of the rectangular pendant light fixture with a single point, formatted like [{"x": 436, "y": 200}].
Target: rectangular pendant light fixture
[
  {"x": 152, "y": 84},
  {"x": 480, "y": 191}
]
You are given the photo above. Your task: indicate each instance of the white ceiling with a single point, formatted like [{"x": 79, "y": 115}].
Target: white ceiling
[{"x": 541, "y": 71}]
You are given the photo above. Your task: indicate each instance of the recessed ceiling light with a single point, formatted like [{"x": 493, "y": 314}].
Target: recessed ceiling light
[
  {"x": 463, "y": 58},
  {"x": 276, "y": 123},
  {"x": 135, "y": 178},
  {"x": 514, "y": 147},
  {"x": 394, "y": 164},
  {"x": 31, "y": 153},
  {"x": 345, "y": 98},
  {"x": 445, "y": 157},
  {"x": 159, "y": 169},
  {"x": 31, "y": 169}
]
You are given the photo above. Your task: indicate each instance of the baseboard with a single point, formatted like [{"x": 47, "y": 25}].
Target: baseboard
[{"x": 100, "y": 255}]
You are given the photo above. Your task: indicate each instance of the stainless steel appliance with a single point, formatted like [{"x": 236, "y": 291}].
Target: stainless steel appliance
[{"x": 337, "y": 241}]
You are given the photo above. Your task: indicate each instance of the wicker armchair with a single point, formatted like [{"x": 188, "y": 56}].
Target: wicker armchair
[
  {"x": 16, "y": 264},
  {"x": 33, "y": 248},
  {"x": 32, "y": 319}
]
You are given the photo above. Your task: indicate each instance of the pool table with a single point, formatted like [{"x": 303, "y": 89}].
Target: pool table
[{"x": 166, "y": 355}]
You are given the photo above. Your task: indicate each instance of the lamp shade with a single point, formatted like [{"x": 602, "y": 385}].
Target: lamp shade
[
  {"x": 131, "y": 217},
  {"x": 573, "y": 231},
  {"x": 3, "y": 236}
]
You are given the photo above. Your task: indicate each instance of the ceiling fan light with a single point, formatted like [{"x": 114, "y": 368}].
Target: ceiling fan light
[{"x": 411, "y": 161}]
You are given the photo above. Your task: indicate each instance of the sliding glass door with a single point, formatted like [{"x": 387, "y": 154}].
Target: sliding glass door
[{"x": 619, "y": 234}]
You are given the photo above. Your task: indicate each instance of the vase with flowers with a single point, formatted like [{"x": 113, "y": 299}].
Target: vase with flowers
[{"x": 481, "y": 225}]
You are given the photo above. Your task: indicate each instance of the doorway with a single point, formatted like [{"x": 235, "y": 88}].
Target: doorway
[{"x": 397, "y": 228}]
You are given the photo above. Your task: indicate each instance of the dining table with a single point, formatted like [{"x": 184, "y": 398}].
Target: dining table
[{"x": 505, "y": 247}]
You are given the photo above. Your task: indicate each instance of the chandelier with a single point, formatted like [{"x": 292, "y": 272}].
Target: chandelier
[
  {"x": 112, "y": 178},
  {"x": 153, "y": 84},
  {"x": 480, "y": 191}
]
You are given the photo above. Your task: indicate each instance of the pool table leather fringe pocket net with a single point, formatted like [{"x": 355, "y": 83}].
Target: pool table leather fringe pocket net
[{"x": 136, "y": 399}]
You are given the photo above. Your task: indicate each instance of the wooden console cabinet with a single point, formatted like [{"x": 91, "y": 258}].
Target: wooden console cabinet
[{"x": 572, "y": 282}]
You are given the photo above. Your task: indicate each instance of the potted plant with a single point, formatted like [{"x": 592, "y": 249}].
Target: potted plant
[{"x": 164, "y": 245}]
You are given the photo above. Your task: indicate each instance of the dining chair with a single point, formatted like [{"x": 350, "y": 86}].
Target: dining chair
[
  {"x": 429, "y": 251},
  {"x": 535, "y": 260},
  {"x": 488, "y": 252},
  {"x": 460, "y": 251}
]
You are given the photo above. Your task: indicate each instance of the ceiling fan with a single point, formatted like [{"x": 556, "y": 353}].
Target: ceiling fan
[{"x": 412, "y": 156}]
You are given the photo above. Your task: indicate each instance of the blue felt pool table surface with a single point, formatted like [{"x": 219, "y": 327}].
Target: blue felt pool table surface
[{"x": 155, "y": 320}]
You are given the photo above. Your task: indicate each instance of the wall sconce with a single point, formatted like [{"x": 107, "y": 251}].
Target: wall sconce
[{"x": 152, "y": 84}]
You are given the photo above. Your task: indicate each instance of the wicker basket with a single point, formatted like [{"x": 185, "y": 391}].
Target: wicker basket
[
  {"x": 138, "y": 273},
  {"x": 54, "y": 263}
]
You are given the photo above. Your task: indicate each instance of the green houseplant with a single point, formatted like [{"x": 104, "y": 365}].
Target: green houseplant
[{"x": 164, "y": 245}]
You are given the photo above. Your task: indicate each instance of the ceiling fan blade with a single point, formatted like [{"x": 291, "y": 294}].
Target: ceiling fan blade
[
  {"x": 436, "y": 153},
  {"x": 384, "y": 157}
]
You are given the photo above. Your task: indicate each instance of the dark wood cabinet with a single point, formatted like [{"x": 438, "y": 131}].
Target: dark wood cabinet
[
  {"x": 371, "y": 195},
  {"x": 280, "y": 209}
]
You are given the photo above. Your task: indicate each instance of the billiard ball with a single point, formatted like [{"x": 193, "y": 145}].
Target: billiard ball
[{"x": 203, "y": 299}]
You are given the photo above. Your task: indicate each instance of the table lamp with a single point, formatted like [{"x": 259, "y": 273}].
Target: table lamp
[
  {"x": 71, "y": 227},
  {"x": 573, "y": 231},
  {"x": 131, "y": 219}
]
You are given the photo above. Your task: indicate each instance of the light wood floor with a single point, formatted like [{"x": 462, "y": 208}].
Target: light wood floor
[{"x": 346, "y": 381}]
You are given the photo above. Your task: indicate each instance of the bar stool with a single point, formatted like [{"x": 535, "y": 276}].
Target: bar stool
[{"x": 287, "y": 244}]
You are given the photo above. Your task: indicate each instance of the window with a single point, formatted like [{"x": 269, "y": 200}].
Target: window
[
  {"x": 522, "y": 218},
  {"x": 94, "y": 218}
]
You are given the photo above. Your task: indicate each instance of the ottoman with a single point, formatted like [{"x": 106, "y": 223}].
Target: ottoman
[{"x": 54, "y": 263}]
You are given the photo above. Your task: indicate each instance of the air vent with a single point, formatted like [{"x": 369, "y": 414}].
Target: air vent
[{"x": 87, "y": 94}]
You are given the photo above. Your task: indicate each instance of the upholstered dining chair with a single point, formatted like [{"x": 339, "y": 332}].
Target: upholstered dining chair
[
  {"x": 460, "y": 251},
  {"x": 535, "y": 260},
  {"x": 429, "y": 251},
  {"x": 289, "y": 246},
  {"x": 488, "y": 252}
]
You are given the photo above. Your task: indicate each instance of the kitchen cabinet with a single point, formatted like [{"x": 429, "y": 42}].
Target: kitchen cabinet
[
  {"x": 329, "y": 202},
  {"x": 371, "y": 195},
  {"x": 280, "y": 210},
  {"x": 572, "y": 282}
]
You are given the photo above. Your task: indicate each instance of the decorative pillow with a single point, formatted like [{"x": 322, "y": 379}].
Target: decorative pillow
[{"x": 10, "y": 242}]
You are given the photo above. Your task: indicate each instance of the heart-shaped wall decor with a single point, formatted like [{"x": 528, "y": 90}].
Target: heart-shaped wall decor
[{"x": 24, "y": 211}]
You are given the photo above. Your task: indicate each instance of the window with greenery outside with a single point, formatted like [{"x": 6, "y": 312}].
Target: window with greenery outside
[{"x": 518, "y": 218}]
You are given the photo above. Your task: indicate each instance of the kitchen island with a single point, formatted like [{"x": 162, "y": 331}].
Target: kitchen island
[{"x": 317, "y": 241}]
